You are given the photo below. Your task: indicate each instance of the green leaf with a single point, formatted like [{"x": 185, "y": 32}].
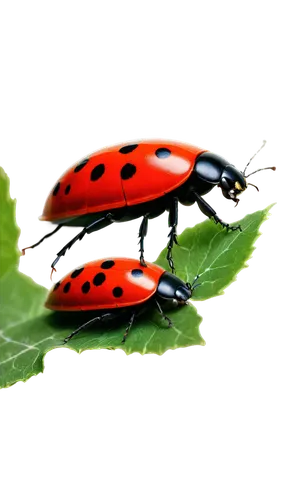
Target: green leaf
[
  {"x": 149, "y": 333},
  {"x": 214, "y": 254},
  {"x": 29, "y": 332},
  {"x": 9, "y": 231},
  {"x": 24, "y": 344}
]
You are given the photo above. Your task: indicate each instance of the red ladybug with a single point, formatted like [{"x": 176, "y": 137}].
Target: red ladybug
[
  {"x": 125, "y": 182},
  {"x": 117, "y": 287}
]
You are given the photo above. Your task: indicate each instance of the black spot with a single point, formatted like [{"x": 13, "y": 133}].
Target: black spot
[
  {"x": 81, "y": 165},
  {"x": 56, "y": 286},
  {"x": 117, "y": 291},
  {"x": 67, "y": 287},
  {"x": 128, "y": 149},
  {"x": 128, "y": 171},
  {"x": 137, "y": 273},
  {"x": 98, "y": 279},
  {"x": 68, "y": 188},
  {"x": 107, "y": 264},
  {"x": 97, "y": 172},
  {"x": 57, "y": 188},
  {"x": 85, "y": 287},
  {"x": 77, "y": 272},
  {"x": 162, "y": 153}
]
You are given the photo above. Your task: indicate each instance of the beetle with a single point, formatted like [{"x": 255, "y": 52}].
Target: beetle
[
  {"x": 117, "y": 287},
  {"x": 143, "y": 179}
]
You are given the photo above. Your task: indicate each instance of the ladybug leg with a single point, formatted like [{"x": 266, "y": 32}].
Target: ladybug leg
[
  {"x": 103, "y": 317},
  {"x": 173, "y": 238},
  {"x": 95, "y": 226},
  {"x": 170, "y": 324},
  {"x": 42, "y": 239},
  {"x": 104, "y": 221},
  {"x": 142, "y": 233},
  {"x": 130, "y": 323},
  {"x": 62, "y": 252},
  {"x": 209, "y": 212}
]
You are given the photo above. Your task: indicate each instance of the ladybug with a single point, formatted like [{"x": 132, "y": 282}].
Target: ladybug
[
  {"x": 128, "y": 181},
  {"x": 117, "y": 287}
]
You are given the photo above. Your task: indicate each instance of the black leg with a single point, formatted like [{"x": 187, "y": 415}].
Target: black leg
[
  {"x": 42, "y": 239},
  {"x": 95, "y": 226},
  {"x": 173, "y": 222},
  {"x": 128, "y": 327},
  {"x": 103, "y": 317},
  {"x": 163, "y": 315},
  {"x": 209, "y": 212},
  {"x": 142, "y": 233}
]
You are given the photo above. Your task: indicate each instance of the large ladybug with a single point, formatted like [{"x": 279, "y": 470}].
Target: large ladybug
[
  {"x": 125, "y": 182},
  {"x": 117, "y": 287}
]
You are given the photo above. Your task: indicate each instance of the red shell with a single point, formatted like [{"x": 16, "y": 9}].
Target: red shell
[
  {"x": 160, "y": 167},
  {"x": 105, "y": 284}
]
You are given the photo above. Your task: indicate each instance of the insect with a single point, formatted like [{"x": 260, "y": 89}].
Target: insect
[
  {"x": 125, "y": 182},
  {"x": 117, "y": 287}
]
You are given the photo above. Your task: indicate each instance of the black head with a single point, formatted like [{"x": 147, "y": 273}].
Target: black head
[
  {"x": 171, "y": 287},
  {"x": 215, "y": 170},
  {"x": 232, "y": 183}
]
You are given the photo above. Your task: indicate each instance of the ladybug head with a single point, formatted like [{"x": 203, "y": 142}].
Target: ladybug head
[
  {"x": 212, "y": 170},
  {"x": 171, "y": 287},
  {"x": 232, "y": 183}
]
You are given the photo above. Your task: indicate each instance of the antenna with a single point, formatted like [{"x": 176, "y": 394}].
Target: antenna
[
  {"x": 257, "y": 170},
  {"x": 259, "y": 150}
]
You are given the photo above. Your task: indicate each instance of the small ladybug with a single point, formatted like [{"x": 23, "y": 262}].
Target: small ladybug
[
  {"x": 125, "y": 182},
  {"x": 117, "y": 287}
]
